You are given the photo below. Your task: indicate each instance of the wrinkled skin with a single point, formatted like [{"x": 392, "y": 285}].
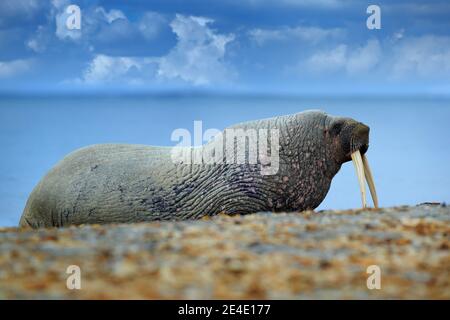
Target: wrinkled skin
[{"x": 116, "y": 183}]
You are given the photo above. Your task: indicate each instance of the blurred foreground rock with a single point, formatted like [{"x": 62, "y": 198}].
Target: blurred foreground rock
[{"x": 265, "y": 255}]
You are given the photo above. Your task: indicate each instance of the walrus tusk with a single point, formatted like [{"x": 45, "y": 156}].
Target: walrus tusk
[
  {"x": 370, "y": 182},
  {"x": 359, "y": 167}
]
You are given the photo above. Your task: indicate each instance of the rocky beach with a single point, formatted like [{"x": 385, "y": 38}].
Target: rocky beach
[{"x": 307, "y": 255}]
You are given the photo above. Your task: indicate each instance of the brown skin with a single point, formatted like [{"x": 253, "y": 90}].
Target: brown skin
[{"x": 115, "y": 183}]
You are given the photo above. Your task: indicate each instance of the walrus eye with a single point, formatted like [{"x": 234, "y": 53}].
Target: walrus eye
[{"x": 336, "y": 128}]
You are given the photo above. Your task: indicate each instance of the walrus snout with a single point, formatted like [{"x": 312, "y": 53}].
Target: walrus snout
[
  {"x": 360, "y": 138},
  {"x": 350, "y": 136}
]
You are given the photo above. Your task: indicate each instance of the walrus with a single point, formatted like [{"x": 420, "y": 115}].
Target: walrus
[{"x": 122, "y": 183}]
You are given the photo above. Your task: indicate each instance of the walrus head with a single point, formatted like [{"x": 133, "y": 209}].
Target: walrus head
[{"x": 350, "y": 141}]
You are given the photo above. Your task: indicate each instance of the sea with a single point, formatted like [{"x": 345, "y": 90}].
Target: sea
[{"x": 409, "y": 139}]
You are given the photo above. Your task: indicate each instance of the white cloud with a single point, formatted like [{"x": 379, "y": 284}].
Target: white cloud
[
  {"x": 398, "y": 35},
  {"x": 111, "y": 15},
  {"x": 399, "y": 57},
  {"x": 328, "y": 61},
  {"x": 38, "y": 42},
  {"x": 151, "y": 24},
  {"x": 198, "y": 57},
  {"x": 352, "y": 60},
  {"x": 113, "y": 26},
  {"x": 299, "y": 33},
  {"x": 364, "y": 59},
  {"x": 104, "y": 31},
  {"x": 34, "y": 45},
  {"x": 427, "y": 57},
  {"x": 91, "y": 20},
  {"x": 14, "y": 67},
  {"x": 107, "y": 69}
]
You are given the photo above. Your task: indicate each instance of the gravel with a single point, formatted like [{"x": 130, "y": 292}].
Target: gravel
[{"x": 307, "y": 255}]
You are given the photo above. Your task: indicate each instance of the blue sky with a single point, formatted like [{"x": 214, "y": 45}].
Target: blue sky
[{"x": 297, "y": 46}]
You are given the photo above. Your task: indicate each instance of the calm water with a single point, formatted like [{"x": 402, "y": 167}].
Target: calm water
[{"x": 409, "y": 150}]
